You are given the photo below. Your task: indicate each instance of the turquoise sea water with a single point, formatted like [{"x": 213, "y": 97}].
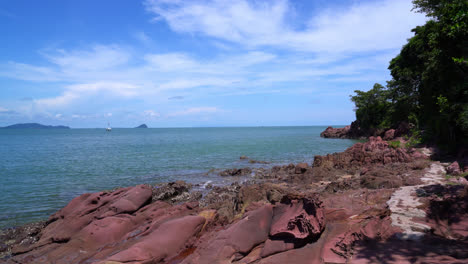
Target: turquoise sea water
[{"x": 42, "y": 170}]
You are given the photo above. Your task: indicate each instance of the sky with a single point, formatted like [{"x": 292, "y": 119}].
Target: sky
[{"x": 174, "y": 63}]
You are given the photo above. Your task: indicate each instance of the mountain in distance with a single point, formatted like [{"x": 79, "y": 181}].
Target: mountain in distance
[
  {"x": 34, "y": 126},
  {"x": 142, "y": 126}
]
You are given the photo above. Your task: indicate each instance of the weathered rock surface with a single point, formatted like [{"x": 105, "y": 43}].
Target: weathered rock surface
[
  {"x": 343, "y": 209},
  {"x": 447, "y": 213},
  {"x": 354, "y": 131},
  {"x": 331, "y": 132},
  {"x": 297, "y": 219},
  {"x": 454, "y": 168},
  {"x": 122, "y": 225},
  {"x": 389, "y": 134},
  {"x": 236, "y": 172},
  {"x": 375, "y": 151},
  {"x": 294, "y": 222},
  {"x": 301, "y": 168},
  {"x": 175, "y": 192}
]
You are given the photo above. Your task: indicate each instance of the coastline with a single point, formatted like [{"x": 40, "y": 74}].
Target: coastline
[
  {"x": 52, "y": 177},
  {"x": 334, "y": 210}
]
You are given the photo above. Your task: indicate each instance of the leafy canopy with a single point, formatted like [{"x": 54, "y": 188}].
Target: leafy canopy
[{"x": 429, "y": 85}]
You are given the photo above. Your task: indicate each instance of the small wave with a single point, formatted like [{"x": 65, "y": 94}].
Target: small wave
[{"x": 206, "y": 184}]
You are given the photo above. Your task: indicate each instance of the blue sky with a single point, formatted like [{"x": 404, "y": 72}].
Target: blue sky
[{"x": 174, "y": 63}]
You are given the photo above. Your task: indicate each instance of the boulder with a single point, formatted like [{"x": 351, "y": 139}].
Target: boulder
[
  {"x": 163, "y": 243},
  {"x": 389, "y": 134},
  {"x": 331, "y": 132},
  {"x": 301, "y": 168},
  {"x": 237, "y": 240},
  {"x": 297, "y": 219},
  {"x": 171, "y": 190},
  {"x": 121, "y": 225},
  {"x": 453, "y": 169},
  {"x": 236, "y": 172},
  {"x": 374, "y": 151},
  {"x": 294, "y": 222}
]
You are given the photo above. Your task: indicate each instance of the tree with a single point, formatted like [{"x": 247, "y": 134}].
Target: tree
[
  {"x": 429, "y": 85},
  {"x": 372, "y": 107}
]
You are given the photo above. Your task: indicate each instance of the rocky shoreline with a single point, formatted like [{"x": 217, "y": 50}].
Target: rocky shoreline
[{"x": 373, "y": 203}]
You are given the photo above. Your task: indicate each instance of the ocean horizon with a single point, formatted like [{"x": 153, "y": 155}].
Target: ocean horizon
[{"x": 43, "y": 169}]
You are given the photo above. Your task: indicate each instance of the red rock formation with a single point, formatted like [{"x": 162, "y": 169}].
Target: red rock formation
[
  {"x": 375, "y": 151},
  {"x": 301, "y": 168},
  {"x": 454, "y": 168},
  {"x": 94, "y": 227},
  {"x": 331, "y": 132},
  {"x": 294, "y": 222},
  {"x": 389, "y": 134},
  {"x": 345, "y": 220},
  {"x": 297, "y": 219}
]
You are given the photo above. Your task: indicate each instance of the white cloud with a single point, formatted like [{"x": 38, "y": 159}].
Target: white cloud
[
  {"x": 235, "y": 21},
  {"x": 361, "y": 27},
  {"x": 151, "y": 113},
  {"x": 28, "y": 72},
  {"x": 78, "y": 91},
  {"x": 98, "y": 57},
  {"x": 170, "y": 62},
  {"x": 260, "y": 50},
  {"x": 195, "y": 110},
  {"x": 142, "y": 37}
]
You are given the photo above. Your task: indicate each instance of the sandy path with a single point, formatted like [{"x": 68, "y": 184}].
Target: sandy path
[{"x": 404, "y": 202}]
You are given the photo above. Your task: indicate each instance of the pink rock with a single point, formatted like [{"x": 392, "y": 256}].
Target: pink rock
[
  {"x": 93, "y": 227},
  {"x": 454, "y": 168},
  {"x": 238, "y": 239},
  {"x": 164, "y": 242},
  {"x": 331, "y": 132},
  {"x": 275, "y": 246},
  {"x": 301, "y": 168},
  {"x": 298, "y": 219},
  {"x": 85, "y": 208},
  {"x": 389, "y": 134},
  {"x": 374, "y": 151}
]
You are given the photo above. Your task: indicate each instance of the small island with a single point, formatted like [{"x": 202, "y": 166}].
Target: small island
[
  {"x": 34, "y": 126},
  {"x": 142, "y": 126}
]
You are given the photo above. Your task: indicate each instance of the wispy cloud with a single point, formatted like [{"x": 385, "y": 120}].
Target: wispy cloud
[
  {"x": 151, "y": 113},
  {"x": 142, "y": 37},
  {"x": 111, "y": 72},
  {"x": 98, "y": 57},
  {"x": 194, "y": 110},
  {"x": 361, "y": 27},
  {"x": 178, "y": 97},
  {"x": 5, "y": 111},
  {"x": 258, "y": 48},
  {"x": 75, "y": 92}
]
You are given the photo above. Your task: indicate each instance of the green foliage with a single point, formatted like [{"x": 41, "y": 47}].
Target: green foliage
[
  {"x": 414, "y": 140},
  {"x": 394, "y": 144},
  {"x": 372, "y": 107},
  {"x": 429, "y": 86}
]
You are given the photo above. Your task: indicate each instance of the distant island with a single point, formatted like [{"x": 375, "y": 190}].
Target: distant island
[
  {"x": 34, "y": 126},
  {"x": 142, "y": 126}
]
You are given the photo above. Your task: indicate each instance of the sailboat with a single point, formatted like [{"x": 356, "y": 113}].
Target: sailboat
[{"x": 108, "y": 129}]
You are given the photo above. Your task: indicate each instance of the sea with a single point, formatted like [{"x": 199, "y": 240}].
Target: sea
[{"x": 41, "y": 170}]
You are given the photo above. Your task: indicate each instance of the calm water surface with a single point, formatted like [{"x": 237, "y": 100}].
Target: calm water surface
[{"x": 42, "y": 170}]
